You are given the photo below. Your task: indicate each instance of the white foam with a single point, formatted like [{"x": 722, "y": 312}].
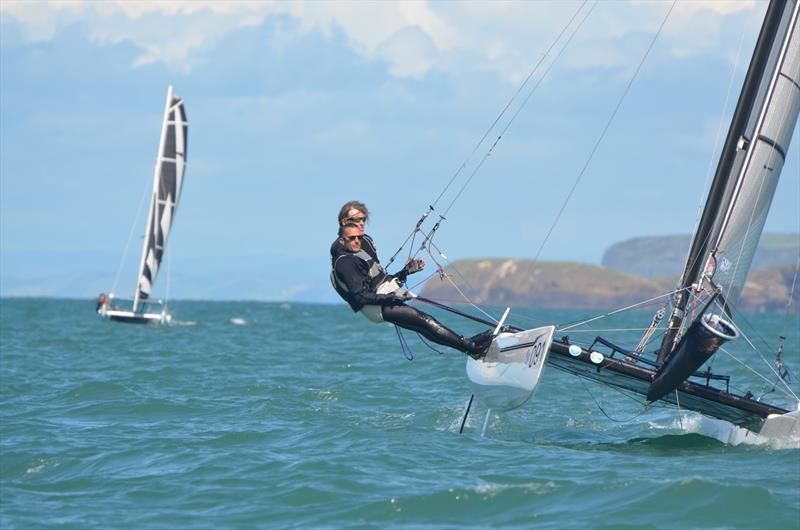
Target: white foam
[{"x": 730, "y": 434}]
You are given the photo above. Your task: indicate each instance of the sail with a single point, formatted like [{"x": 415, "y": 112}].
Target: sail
[
  {"x": 167, "y": 183},
  {"x": 739, "y": 199},
  {"x": 768, "y": 135}
]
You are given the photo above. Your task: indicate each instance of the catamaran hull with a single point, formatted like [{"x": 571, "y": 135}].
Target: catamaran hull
[
  {"x": 129, "y": 317},
  {"x": 701, "y": 341},
  {"x": 507, "y": 376},
  {"x": 627, "y": 376},
  {"x": 783, "y": 426}
]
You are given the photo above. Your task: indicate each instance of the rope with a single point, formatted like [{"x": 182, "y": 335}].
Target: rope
[
  {"x": 600, "y": 407},
  {"x": 791, "y": 297},
  {"x": 720, "y": 125},
  {"x": 616, "y": 311},
  {"x": 603, "y": 133},
  {"x": 130, "y": 235},
  {"x": 525, "y": 101},
  {"x": 502, "y": 113},
  {"x": 788, "y": 392},
  {"x": 428, "y": 344},
  {"x": 409, "y": 355},
  {"x": 486, "y": 134}
]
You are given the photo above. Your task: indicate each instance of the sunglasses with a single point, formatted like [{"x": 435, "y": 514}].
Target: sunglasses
[
  {"x": 357, "y": 219},
  {"x": 353, "y": 238}
]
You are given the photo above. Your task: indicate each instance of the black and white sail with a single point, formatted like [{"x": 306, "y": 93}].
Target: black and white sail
[
  {"x": 167, "y": 183},
  {"x": 738, "y": 201}
]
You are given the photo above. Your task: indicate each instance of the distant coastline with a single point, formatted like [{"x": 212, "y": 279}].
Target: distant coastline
[
  {"x": 629, "y": 274},
  {"x": 568, "y": 285},
  {"x": 633, "y": 271}
]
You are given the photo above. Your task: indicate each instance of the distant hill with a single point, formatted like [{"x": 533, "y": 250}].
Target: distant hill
[
  {"x": 576, "y": 285},
  {"x": 658, "y": 256}
]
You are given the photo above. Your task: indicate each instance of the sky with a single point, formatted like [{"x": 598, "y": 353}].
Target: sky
[{"x": 298, "y": 107}]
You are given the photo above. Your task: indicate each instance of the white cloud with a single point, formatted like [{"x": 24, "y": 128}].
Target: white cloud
[{"x": 413, "y": 36}]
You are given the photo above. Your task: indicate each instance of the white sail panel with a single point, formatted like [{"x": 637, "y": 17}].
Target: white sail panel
[
  {"x": 752, "y": 196},
  {"x": 735, "y": 251}
]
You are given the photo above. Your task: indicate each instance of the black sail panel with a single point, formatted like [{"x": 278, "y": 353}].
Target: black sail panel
[{"x": 167, "y": 184}]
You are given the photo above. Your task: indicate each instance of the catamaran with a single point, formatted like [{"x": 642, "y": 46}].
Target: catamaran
[
  {"x": 703, "y": 308},
  {"x": 167, "y": 184}
]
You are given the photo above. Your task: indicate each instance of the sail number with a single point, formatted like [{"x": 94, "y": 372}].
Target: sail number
[{"x": 536, "y": 351}]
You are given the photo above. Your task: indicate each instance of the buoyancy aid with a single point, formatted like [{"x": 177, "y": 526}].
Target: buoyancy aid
[{"x": 375, "y": 273}]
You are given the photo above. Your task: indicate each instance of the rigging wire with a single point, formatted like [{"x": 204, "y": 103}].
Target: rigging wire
[
  {"x": 492, "y": 126},
  {"x": 616, "y": 311},
  {"x": 508, "y": 105},
  {"x": 740, "y": 184},
  {"x": 788, "y": 391},
  {"x": 720, "y": 125},
  {"x": 525, "y": 101},
  {"x": 600, "y": 407},
  {"x": 605, "y": 130},
  {"x": 605, "y": 330},
  {"x": 148, "y": 185},
  {"x": 519, "y": 109},
  {"x": 790, "y": 298}
]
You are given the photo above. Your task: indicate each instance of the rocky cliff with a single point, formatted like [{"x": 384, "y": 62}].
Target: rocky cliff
[
  {"x": 575, "y": 285},
  {"x": 659, "y": 256}
]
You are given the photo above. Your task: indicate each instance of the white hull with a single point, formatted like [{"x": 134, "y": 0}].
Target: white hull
[
  {"x": 509, "y": 373},
  {"x": 782, "y": 426},
  {"x": 131, "y": 317}
]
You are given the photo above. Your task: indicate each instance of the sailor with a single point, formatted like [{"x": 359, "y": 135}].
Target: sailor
[
  {"x": 355, "y": 213},
  {"x": 102, "y": 300},
  {"x": 360, "y": 280}
]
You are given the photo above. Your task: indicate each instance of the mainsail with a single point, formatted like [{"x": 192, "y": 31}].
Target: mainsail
[
  {"x": 167, "y": 184},
  {"x": 739, "y": 200}
]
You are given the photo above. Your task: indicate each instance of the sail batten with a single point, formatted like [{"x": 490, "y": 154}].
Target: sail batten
[{"x": 167, "y": 184}]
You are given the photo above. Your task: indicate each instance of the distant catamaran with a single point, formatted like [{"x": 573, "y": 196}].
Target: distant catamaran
[{"x": 167, "y": 184}]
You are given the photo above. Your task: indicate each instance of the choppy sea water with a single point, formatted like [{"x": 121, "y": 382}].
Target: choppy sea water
[{"x": 260, "y": 415}]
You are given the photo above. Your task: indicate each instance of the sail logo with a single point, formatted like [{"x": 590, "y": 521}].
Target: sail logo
[{"x": 724, "y": 264}]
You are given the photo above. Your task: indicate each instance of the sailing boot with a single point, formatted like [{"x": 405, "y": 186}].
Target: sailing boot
[
  {"x": 484, "y": 337},
  {"x": 476, "y": 350}
]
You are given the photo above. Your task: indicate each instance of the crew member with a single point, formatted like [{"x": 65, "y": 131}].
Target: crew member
[{"x": 360, "y": 280}]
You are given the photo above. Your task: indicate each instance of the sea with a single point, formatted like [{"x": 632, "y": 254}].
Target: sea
[{"x": 290, "y": 415}]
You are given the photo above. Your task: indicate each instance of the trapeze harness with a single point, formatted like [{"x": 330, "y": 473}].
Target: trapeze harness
[
  {"x": 395, "y": 311},
  {"x": 379, "y": 282}
]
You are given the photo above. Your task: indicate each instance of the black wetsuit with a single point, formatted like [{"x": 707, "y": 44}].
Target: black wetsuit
[{"x": 357, "y": 287}]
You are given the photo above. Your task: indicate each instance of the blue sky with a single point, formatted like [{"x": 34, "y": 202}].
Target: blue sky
[{"x": 295, "y": 108}]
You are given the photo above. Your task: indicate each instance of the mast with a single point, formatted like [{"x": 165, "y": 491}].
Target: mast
[
  {"x": 780, "y": 18},
  {"x": 738, "y": 202}
]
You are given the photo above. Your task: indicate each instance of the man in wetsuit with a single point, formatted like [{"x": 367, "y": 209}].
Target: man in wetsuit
[{"x": 360, "y": 280}]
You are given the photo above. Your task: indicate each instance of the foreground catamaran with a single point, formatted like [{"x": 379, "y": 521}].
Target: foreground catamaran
[
  {"x": 167, "y": 184},
  {"x": 703, "y": 314}
]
